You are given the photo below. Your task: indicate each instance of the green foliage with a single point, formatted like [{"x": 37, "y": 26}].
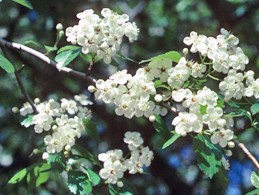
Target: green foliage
[
  {"x": 91, "y": 129},
  {"x": 207, "y": 154},
  {"x": 93, "y": 177},
  {"x": 255, "y": 179},
  {"x": 66, "y": 56},
  {"x": 172, "y": 55},
  {"x": 50, "y": 48},
  {"x": 254, "y": 108},
  {"x": 253, "y": 192},
  {"x": 171, "y": 140},
  {"x": 86, "y": 154},
  {"x": 115, "y": 190},
  {"x": 6, "y": 64},
  {"x": 78, "y": 183},
  {"x": 161, "y": 128},
  {"x": 35, "y": 174},
  {"x": 25, "y": 3},
  {"x": 57, "y": 161},
  {"x": 27, "y": 121}
]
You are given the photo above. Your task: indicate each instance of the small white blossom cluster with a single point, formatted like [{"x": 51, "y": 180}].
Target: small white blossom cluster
[
  {"x": 132, "y": 95},
  {"x": 226, "y": 57},
  {"x": 101, "y": 36},
  {"x": 115, "y": 165},
  {"x": 63, "y": 121}
]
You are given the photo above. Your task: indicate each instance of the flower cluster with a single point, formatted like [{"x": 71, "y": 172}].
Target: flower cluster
[
  {"x": 63, "y": 121},
  {"x": 101, "y": 36},
  {"x": 161, "y": 84},
  {"x": 132, "y": 95},
  {"x": 115, "y": 165}
]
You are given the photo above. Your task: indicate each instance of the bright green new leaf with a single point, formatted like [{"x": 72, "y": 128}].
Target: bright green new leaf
[
  {"x": 254, "y": 108},
  {"x": 171, "y": 140},
  {"x": 161, "y": 128},
  {"x": 6, "y": 64},
  {"x": 207, "y": 154},
  {"x": 253, "y": 192},
  {"x": 203, "y": 109},
  {"x": 93, "y": 177},
  {"x": 68, "y": 47},
  {"x": 27, "y": 121},
  {"x": 65, "y": 57},
  {"x": 78, "y": 183},
  {"x": 91, "y": 129},
  {"x": 255, "y": 179},
  {"x": 50, "y": 48},
  {"x": 25, "y": 3},
  {"x": 172, "y": 55},
  {"x": 18, "y": 176},
  {"x": 38, "y": 175}
]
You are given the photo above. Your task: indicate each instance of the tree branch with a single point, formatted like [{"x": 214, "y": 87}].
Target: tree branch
[
  {"x": 248, "y": 154},
  {"x": 41, "y": 56}
]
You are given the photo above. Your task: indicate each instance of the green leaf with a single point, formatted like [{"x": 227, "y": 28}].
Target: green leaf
[
  {"x": 38, "y": 175},
  {"x": 68, "y": 47},
  {"x": 91, "y": 129},
  {"x": 27, "y": 121},
  {"x": 32, "y": 43},
  {"x": 86, "y": 154},
  {"x": 203, "y": 109},
  {"x": 93, "y": 177},
  {"x": 255, "y": 179},
  {"x": 161, "y": 128},
  {"x": 254, "y": 108},
  {"x": 18, "y": 176},
  {"x": 6, "y": 65},
  {"x": 253, "y": 192},
  {"x": 25, "y": 3},
  {"x": 125, "y": 58},
  {"x": 57, "y": 161},
  {"x": 50, "y": 48},
  {"x": 65, "y": 57},
  {"x": 78, "y": 183},
  {"x": 171, "y": 140},
  {"x": 115, "y": 190},
  {"x": 207, "y": 154},
  {"x": 172, "y": 55}
]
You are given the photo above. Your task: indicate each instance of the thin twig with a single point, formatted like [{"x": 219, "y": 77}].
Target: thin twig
[
  {"x": 20, "y": 84},
  {"x": 45, "y": 59},
  {"x": 248, "y": 154},
  {"x": 26, "y": 95}
]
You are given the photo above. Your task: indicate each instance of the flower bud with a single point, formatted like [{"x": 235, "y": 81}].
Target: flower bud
[
  {"x": 185, "y": 51},
  {"x": 59, "y": 27},
  {"x": 158, "y": 98},
  {"x": 15, "y": 110},
  {"x": 228, "y": 153},
  {"x": 120, "y": 184},
  {"x": 152, "y": 118},
  {"x": 231, "y": 144},
  {"x": 36, "y": 100},
  {"x": 91, "y": 89}
]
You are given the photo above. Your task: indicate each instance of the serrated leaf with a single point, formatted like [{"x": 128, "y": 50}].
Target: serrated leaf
[
  {"x": 68, "y": 47},
  {"x": 172, "y": 55},
  {"x": 93, "y": 177},
  {"x": 207, "y": 154},
  {"x": 6, "y": 64},
  {"x": 78, "y": 183},
  {"x": 91, "y": 129},
  {"x": 255, "y": 179},
  {"x": 27, "y": 121},
  {"x": 254, "y": 108},
  {"x": 65, "y": 57},
  {"x": 161, "y": 128},
  {"x": 25, "y": 3},
  {"x": 171, "y": 140},
  {"x": 57, "y": 161},
  {"x": 18, "y": 176}
]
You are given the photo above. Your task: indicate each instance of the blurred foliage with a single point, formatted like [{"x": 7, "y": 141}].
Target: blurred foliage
[{"x": 163, "y": 25}]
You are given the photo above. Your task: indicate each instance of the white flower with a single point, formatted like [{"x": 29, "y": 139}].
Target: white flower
[
  {"x": 69, "y": 105},
  {"x": 83, "y": 99},
  {"x": 187, "y": 122},
  {"x": 159, "y": 68},
  {"x": 26, "y": 109},
  {"x": 225, "y": 163},
  {"x": 252, "y": 89},
  {"x": 133, "y": 138},
  {"x": 212, "y": 116},
  {"x": 121, "y": 77},
  {"x": 222, "y": 137},
  {"x": 198, "y": 42},
  {"x": 181, "y": 94}
]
